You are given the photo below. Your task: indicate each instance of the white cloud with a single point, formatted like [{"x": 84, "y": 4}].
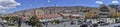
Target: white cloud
[
  {"x": 49, "y": 1},
  {"x": 115, "y": 2},
  {"x": 8, "y": 4},
  {"x": 99, "y": 2}
]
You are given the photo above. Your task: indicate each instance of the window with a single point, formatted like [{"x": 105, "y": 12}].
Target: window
[
  {"x": 103, "y": 14},
  {"x": 95, "y": 12}
]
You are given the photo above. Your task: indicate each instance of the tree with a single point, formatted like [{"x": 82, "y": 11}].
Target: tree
[
  {"x": 34, "y": 21},
  {"x": 4, "y": 21},
  {"x": 96, "y": 17},
  {"x": 112, "y": 16},
  {"x": 57, "y": 21},
  {"x": 12, "y": 20},
  {"x": 53, "y": 22},
  {"x": 15, "y": 18},
  {"x": 6, "y": 18},
  {"x": 39, "y": 25}
]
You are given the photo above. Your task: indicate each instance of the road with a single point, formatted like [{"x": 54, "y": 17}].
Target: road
[
  {"x": 111, "y": 25},
  {"x": 67, "y": 24}
]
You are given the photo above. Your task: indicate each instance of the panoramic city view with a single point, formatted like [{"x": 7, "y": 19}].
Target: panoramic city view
[{"x": 59, "y": 13}]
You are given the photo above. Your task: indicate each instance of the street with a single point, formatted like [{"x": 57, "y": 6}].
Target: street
[{"x": 67, "y": 24}]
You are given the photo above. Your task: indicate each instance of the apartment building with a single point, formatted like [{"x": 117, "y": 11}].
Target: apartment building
[{"x": 103, "y": 11}]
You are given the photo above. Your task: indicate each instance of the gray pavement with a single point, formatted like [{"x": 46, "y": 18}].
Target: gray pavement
[
  {"x": 111, "y": 25},
  {"x": 66, "y": 24}
]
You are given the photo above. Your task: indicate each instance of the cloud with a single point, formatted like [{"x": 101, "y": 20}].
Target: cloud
[
  {"x": 99, "y": 2},
  {"x": 49, "y": 1},
  {"x": 8, "y": 4},
  {"x": 115, "y": 2}
]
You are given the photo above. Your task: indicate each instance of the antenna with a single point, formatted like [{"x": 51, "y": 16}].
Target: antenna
[
  {"x": 115, "y": 1},
  {"x": 99, "y": 1}
]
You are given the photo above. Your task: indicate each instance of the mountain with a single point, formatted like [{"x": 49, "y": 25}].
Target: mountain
[
  {"x": 62, "y": 8},
  {"x": 115, "y": 6},
  {"x": 52, "y": 9}
]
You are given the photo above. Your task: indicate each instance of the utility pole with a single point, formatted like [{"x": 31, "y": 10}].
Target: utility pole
[
  {"x": 34, "y": 12},
  {"x": 116, "y": 13},
  {"x": 19, "y": 22},
  {"x": 55, "y": 10}
]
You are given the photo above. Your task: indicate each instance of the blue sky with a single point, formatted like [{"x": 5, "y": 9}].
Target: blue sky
[{"x": 27, "y": 4}]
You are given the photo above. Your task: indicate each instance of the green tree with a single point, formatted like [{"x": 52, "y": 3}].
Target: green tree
[
  {"x": 39, "y": 25},
  {"x": 34, "y": 21},
  {"x": 6, "y": 18},
  {"x": 96, "y": 17},
  {"x": 112, "y": 16},
  {"x": 15, "y": 18},
  {"x": 12, "y": 20}
]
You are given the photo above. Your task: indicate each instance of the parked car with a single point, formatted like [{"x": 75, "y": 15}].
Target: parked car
[
  {"x": 117, "y": 26},
  {"x": 103, "y": 24}
]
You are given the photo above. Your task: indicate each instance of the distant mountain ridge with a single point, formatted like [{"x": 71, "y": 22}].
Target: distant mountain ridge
[{"x": 64, "y": 8}]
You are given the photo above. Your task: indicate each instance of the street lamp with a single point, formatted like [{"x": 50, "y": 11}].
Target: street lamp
[
  {"x": 46, "y": 23},
  {"x": 19, "y": 22}
]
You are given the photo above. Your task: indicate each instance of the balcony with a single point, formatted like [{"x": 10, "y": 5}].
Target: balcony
[
  {"x": 103, "y": 16},
  {"x": 105, "y": 12}
]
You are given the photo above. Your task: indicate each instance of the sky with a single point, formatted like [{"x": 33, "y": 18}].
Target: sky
[{"x": 9, "y": 6}]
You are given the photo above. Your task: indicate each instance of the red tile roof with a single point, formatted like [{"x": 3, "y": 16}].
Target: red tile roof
[
  {"x": 48, "y": 16},
  {"x": 52, "y": 16},
  {"x": 71, "y": 14}
]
